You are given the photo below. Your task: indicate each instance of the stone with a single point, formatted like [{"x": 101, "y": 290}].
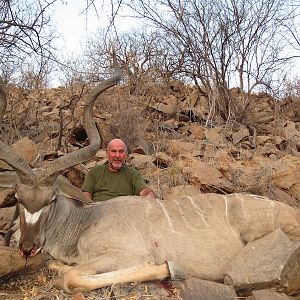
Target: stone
[
  {"x": 180, "y": 190},
  {"x": 240, "y": 135},
  {"x": 286, "y": 174},
  {"x": 12, "y": 262},
  {"x": 271, "y": 261},
  {"x": 268, "y": 295},
  {"x": 201, "y": 173},
  {"x": 25, "y": 147},
  {"x": 162, "y": 160},
  {"x": 7, "y": 198},
  {"x": 215, "y": 135},
  {"x": 197, "y": 289},
  {"x": 177, "y": 147}
]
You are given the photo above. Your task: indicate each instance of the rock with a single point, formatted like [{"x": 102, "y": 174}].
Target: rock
[
  {"x": 45, "y": 109},
  {"x": 6, "y": 216},
  {"x": 267, "y": 149},
  {"x": 7, "y": 198},
  {"x": 141, "y": 145},
  {"x": 168, "y": 109},
  {"x": 291, "y": 133},
  {"x": 280, "y": 142},
  {"x": 195, "y": 130},
  {"x": 140, "y": 160},
  {"x": 268, "y": 295},
  {"x": 177, "y": 147},
  {"x": 11, "y": 262},
  {"x": 25, "y": 147},
  {"x": 295, "y": 191},
  {"x": 215, "y": 135},
  {"x": 162, "y": 160},
  {"x": 181, "y": 190},
  {"x": 170, "y": 100},
  {"x": 203, "y": 174},
  {"x": 286, "y": 175},
  {"x": 240, "y": 135},
  {"x": 192, "y": 98},
  {"x": 79, "y": 296},
  {"x": 104, "y": 126},
  {"x": 271, "y": 261},
  {"x": 282, "y": 196},
  {"x": 170, "y": 125},
  {"x": 76, "y": 174},
  {"x": 100, "y": 155},
  {"x": 262, "y": 139},
  {"x": 195, "y": 114},
  {"x": 139, "y": 150},
  {"x": 220, "y": 157},
  {"x": 197, "y": 289}
]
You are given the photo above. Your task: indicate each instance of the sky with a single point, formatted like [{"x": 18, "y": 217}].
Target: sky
[{"x": 74, "y": 24}]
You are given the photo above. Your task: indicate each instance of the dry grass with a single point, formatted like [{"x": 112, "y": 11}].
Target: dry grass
[{"x": 38, "y": 286}]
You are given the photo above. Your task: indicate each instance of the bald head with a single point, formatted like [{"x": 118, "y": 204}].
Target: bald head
[
  {"x": 116, "y": 154},
  {"x": 116, "y": 143}
]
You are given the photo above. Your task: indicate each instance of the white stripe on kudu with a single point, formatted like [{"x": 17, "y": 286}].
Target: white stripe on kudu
[{"x": 32, "y": 218}]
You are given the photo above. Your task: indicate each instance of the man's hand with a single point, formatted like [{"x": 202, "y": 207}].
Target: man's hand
[
  {"x": 146, "y": 192},
  {"x": 88, "y": 196}
]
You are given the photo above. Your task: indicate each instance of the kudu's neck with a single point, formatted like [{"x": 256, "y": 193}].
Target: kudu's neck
[{"x": 63, "y": 228}]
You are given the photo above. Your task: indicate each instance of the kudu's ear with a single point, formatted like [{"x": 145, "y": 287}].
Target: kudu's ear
[
  {"x": 9, "y": 179},
  {"x": 70, "y": 191}
]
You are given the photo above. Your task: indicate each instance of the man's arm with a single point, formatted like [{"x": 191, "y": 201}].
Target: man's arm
[
  {"x": 149, "y": 193},
  {"x": 88, "y": 184}
]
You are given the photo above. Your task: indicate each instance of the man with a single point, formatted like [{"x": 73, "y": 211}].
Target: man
[{"x": 115, "y": 178}]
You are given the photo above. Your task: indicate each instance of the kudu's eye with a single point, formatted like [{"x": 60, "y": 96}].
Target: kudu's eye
[{"x": 19, "y": 200}]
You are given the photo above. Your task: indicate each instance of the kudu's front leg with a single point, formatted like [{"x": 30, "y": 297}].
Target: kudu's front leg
[{"x": 79, "y": 279}]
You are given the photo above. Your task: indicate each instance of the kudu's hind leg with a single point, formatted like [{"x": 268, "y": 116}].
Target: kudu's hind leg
[{"x": 79, "y": 280}]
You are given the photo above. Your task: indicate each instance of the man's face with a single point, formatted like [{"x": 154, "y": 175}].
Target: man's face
[{"x": 116, "y": 155}]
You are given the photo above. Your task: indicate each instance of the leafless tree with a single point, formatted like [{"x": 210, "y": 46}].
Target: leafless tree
[
  {"x": 142, "y": 54},
  {"x": 293, "y": 28},
  {"x": 25, "y": 33},
  {"x": 221, "y": 43}
]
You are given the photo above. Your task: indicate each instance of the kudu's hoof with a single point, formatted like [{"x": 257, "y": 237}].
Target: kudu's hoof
[{"x": 176, "y": 271}]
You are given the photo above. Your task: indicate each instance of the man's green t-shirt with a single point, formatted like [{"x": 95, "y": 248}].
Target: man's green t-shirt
[{"x": 103, "y": 184}]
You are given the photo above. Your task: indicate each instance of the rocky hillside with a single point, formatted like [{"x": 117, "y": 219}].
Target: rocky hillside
[
  {"x": 176, "y": 139},
  {"x": 174, "y": 135}
]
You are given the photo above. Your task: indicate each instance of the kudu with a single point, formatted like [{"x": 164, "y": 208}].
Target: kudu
[{"x": 131, "y": 238}]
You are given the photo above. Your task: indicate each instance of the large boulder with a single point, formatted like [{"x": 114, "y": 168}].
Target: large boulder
[{"x": 269, "y": 262}]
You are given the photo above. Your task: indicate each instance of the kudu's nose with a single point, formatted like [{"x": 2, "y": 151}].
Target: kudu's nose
[{"x": 28, "y": 250}]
